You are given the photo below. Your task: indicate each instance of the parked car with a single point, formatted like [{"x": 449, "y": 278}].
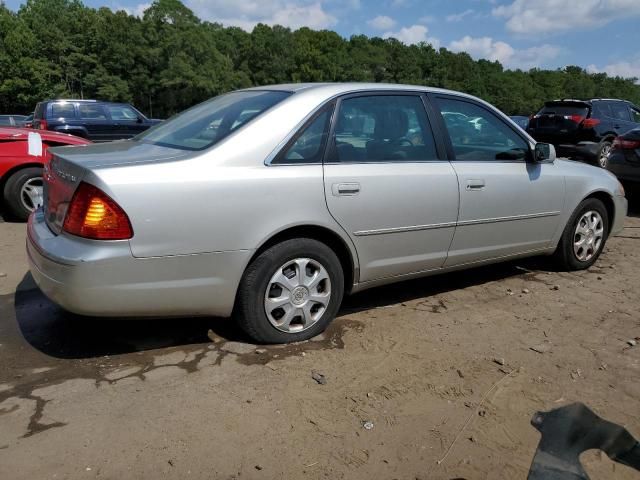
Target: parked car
[
  {"x": 23, "y": 154},
  {"x": 12, "y": 120},
  {"x": 273, "y": 219},
  {"x": 521, "y": 121},
  {"x": 624, "y": 158},
  {"x": 584, "y": 129},
  {"x": 98, "y": 121},
  {"x": 27, "y": 122}
]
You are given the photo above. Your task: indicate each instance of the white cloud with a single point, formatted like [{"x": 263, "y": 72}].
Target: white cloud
[
  {"x": 382, "y": 22},
  {"x": 413, "y": 34},
  {"x": 536, "y": 16},
  {"x": 458, "y": 17},
  {"x": 247, "y": 14},
  {"x": 619, "y": 69},
  {"x": 490, "y": 49},
  {"x": 136, "y": 10}
]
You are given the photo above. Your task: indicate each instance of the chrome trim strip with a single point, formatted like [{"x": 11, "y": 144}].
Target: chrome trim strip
[
  {"x": 416, "y": 228},
  {"x": 508, "y": 219}
]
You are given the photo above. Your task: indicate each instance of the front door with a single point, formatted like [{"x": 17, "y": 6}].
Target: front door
[
  {"x": 508, "y": 204},
  {"x": 389, "y": 186},
  {"x": 94, "y": 119},
  {"x": 127, "y": 121}
]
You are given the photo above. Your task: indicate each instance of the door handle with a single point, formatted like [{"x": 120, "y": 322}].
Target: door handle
[
  {"x": 475, "y": 185},
  {"x": 345, "y": 189}
]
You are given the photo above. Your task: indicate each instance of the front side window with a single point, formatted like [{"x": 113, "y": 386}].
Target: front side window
[
  {"x": 122, "y": 112},
  {"x": 478, "y": 134},
  {"x": 620, "y": 111},
  {"x": 308, "y": 145},
  {"x": 635, "y": 114},
  {"x": 382, "y": 128},
  {"x": 208, "y": 123}
]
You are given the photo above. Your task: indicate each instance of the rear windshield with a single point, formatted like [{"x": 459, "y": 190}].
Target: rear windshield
[
  {"x": 207, "y": 123},
  {"x": 564, "y": 109}
]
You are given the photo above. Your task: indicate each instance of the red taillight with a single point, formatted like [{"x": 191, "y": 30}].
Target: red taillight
[
  {"x": 575, "y": 118},
  {"x": 622, "y": 144},
  {"x": 93, "y": 214},
  {"x": 590, "y": 123},
  {"x": 42, "y": 125}
]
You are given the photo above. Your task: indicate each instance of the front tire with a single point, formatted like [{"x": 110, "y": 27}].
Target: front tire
[
  {"x": 23, "y": 192},
  {"x": 584, "y": 236},
  {"x": 290, "y": 292}
]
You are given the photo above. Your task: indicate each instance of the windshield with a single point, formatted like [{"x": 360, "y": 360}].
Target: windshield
[{"x": 206, "y": 124}]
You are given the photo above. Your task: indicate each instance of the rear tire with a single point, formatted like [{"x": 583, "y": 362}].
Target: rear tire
[
  {"x": 305, "y": 277},
  {"x": 23, "y": 191},
  {"x": 602, "y": 160},
  {"x": 584, "y": 236}
]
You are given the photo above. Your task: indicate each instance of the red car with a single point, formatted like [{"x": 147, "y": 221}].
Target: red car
[{"x": 23, "y": 154}]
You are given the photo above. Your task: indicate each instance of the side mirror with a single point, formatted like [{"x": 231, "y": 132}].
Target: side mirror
[
  {"x": 139, "y": 120},
  {"x": 544, "y": 153}
]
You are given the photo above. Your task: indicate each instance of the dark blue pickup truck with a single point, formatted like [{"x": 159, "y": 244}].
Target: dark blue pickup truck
[{"x": 92, "y": 119}]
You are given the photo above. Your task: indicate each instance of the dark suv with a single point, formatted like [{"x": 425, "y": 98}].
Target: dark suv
[
  {"x": 584, "y": 129},
  {"x": 95, "y": 120}
]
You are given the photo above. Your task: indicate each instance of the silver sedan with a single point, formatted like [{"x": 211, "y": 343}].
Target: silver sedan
[{"x": 269, "y": 204}]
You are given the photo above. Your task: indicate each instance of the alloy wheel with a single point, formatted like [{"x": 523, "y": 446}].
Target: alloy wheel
[
  {"x": 32, "y": 193},
  {"x": 588, "y": 236}
]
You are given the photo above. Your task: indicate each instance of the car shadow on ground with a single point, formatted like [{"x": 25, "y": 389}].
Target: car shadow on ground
[
  {"x": 60, "y": 334},
  {"x": 64, "y": 335}
]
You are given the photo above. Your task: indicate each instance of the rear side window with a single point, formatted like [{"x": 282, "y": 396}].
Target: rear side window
[
  {"x": 91, "y": 112},
  {"x": 564, "y": 109},
  {"x": 620, "y": 111},
  {"x": 63, "y": 110},
  {"x": 122, "y": 112},
  {"x": 382, "y": 128},
  {"x": 478, "y": 134},
  {"x": 208, "y": 123},
  {"x": 308, "y": 144},
  {"x": 5, "y": 121}
]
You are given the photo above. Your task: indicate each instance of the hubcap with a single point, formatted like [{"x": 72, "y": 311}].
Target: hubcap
[
  {"x": 297, "y": 295},
  {"x": 604, "y": 155},
  {"x": 31, "y": 193},
  {"x": 587, "y": 239}
]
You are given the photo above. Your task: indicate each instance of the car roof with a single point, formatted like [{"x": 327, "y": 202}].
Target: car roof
[{"x": 348, "y": 87}]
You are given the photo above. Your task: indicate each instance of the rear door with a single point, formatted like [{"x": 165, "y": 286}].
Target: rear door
[
  {"x": 621, "y": 117},
  {"x": 93, "y": 117},
  {"x": 508, "y": 205},
  {"x": 389, "y": 184}
]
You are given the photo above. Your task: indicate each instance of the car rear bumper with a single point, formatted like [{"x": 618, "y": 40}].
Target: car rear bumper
[
  {"x": 103, "y": 279},
  {"x": 587, "y": 151},
  {"x": 622, "y": 167}
]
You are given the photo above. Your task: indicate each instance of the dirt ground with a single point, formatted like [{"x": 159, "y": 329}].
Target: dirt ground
[{"x": 189, "y": 398}]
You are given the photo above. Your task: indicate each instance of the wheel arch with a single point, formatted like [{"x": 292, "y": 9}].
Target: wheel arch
[
  {"x": 16, "y": 168},
  {"x": 609, "y": 205},
  {"x": 346, "y": 254}
]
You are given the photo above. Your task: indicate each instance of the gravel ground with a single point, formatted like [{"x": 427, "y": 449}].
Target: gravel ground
[{"x": 83, "y": 398}]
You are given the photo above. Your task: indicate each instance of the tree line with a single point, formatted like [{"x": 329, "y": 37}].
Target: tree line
[{"x": 168, "y": 60}]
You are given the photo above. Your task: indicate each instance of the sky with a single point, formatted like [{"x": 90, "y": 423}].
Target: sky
[{"x": 599, "y": 35}]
